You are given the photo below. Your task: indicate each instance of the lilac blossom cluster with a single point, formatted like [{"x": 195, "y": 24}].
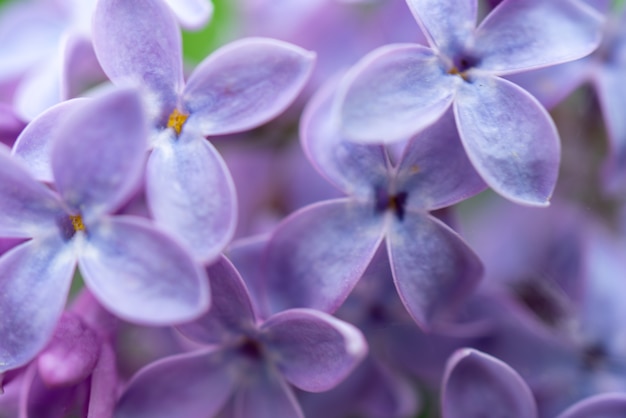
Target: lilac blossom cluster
[{"x": 351, "y": 208}]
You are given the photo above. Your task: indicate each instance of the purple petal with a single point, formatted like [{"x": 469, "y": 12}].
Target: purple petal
[
  {"x": 245, "y": 84},
  {"x": 39, "y": 400},
  {"x": 606, "y": 405},
  {"x": 189, "y": 385},
  {"x": 139, "y": 42},
  {"x": 141, "y": 274},
  {"x": 40, "y": 88},
  {"x": 103, "y": 390},
  {"x": 510, "y": 139},
  {"x": 230, "y": 313},
  {"x": 34, "y": 145},
  {"x": 433, "y": 268},
  {"x": 477, "y": 384},
  {"x": 315, "y": 351},
  {"x": 448, "y": 24},
  {"x": 435, "y": 171},
  {"x": 81, "y": 69},
  {"x": 191, "y": 194},
  {"x": 11, "y": 125},
  {"x": 266, "y": 395},
  {"x": 317, "y": 254},
  {"x": 394, "y": 92},
  {"x": 353, "y": 168},
  {"x": 192, "y": 14},
  {"x": 27, "y": 207},
  {"x": 525, "y": 34},
  {"x": 98, "y": 156},
  {"x": 35, "y": 278}
]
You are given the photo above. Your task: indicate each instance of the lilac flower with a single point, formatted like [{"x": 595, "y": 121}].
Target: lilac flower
[
  {"x": 246, "y": 359},
  {"x": 317, "y": 255},
  {"x": 240, "y": 86},
  {"x": 133, "y": 269},
  {"x": 398, "y": 90}
]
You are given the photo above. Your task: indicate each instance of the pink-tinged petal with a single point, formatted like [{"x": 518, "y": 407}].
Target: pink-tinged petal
[
  {"x": 39, "y": 400},
  {"x": 104, "y": 385},
  {"x": 34, "y": 145},
  {"x": 230, "y": 314},
  {"x": 35, "y": 279},
  {"x": 27, "y": 207},
  {"x": 433, "y": 268},
  {"x": 392, "y": 93},
  {"x": 606, "y": 405},
  {"x": 141, "y": 274},
  {"x": 195, "y": 384},
  {"x": 510, "y": 139},
  {"x": 71, "y": 355},
  {"x": 316, "y": 255},
  {"x": 448, "y": 24},
  {"x": 99, "y": 152},
  {"x": 313, "y": 350},
  {"x": 266, "y": 395},
  {"x": 245, "y": 84},
  {"x": 434, "y": 170},
  {"x": 192, "y": 14},
  {"x": 139, "y": 42},
  {"x": 81, "y": 69},
  {"x": 355, "y": 169},
  {"x": 191, "y": 194},
  {"x": 476, "y": 384},
  {"x": 524, "y": 34}
]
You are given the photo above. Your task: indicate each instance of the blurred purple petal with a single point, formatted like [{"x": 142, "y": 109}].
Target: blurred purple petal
[
  {"x": 40, "y": 89},
  {"x": 266, "y": 395},
  {"x": 98, "y": 156},
  {"x": 139, "y": 42},
  {"x": 316, "y": 255},
  {"x": 245, "y": 84},
  {"x": 35, "y": 279},
  {"x": 192, "y": 14},
  {"x": 394, "y": 92},
  {"x": 141, "y": 274},
  {"x": 477, "y": 384},
  {"x": 510, "y": 138},
  {"x": 433, "y": 268},
  {"x": 190, "y": 193},
  {"x": 524, "y": 34},
  {"x": 195, "y": 384},
  {"x": 104, "y": 385},
  {"x": 81, "y": 69},
  {"x": 315, "y": 351},
  {"x": 11, "y": 125},
  {"x": 39, "y": 400},
  {"x": 606, "y": 405}
]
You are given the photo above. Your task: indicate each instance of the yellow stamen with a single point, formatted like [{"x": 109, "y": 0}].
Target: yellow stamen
[
  {"x": 176, "y": 120},
  {"x": 77, "y": 223}
]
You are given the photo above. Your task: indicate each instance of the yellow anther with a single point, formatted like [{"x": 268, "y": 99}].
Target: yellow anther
[
  {"x": 177, "y": 120},
  {"x": 77, "y": 223}
]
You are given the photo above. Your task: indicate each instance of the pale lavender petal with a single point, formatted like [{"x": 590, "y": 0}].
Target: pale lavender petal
[
  {"x": 34, "y": 145},
  {"x": 40, "y": 89},
  {"x": 606, "y": 405},
  {"x": 448, "y": 24},
  {"x": 510, "y": 138},
  {"x": 99, "y": 152},
  {"x": 266, "y": 395},
  {"x": 35, "y": 279},
  {"x": 104, "y": 385},
  {"x": 476, "y": 384},
  {"x": 524, "y": 34},
  {"x": 230, "y": 313},
  {"x": 355, "y": 169},
  {"x": 433, "y": 268},
  {"x": 394, "y": 92},
  {"x": 11, "y": 125},
  {"x": 81, "y": 69},
  {"x": 245, "y": 84},
  {"x": 141, "y": 274},
  {"x": 434, "y": 170},
  {"x": 195, "y": 384},
  {"x": 191, "y": 194},
  {"x": 314, "y": 351},
  {"x": 316, "y": 256},
  {"x": 27, "y": 207},
  {"x": 139, "y": 42},
  {"x": 192, "y": 14}
]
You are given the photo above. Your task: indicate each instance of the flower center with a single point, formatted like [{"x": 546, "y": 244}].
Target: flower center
[
  {"x": 176, "y": 120},
  {"x": 77, "y": 223},
  {"x": 461, "y": 65},
  {"x": 391, "y": 202}
]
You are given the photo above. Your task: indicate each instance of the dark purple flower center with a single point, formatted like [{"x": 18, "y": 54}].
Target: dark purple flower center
[
  {"x": 394, "y": 203},
  {"x": 594, "y": 356},
  {"x": 251, "y": 349},
  {"x": 70, "y": 225},
  {"x": 542, "y": 300},
  {"x": 462, "y": 64}
]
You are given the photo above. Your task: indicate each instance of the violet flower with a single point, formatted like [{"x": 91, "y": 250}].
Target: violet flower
[
  {"x": 317, "y": 255},
  {"x": 133, "y": 269},
  {"x": 245, "y": 359},
  {"x": 240, "y": 86},
  {"x": 398, "y": 90}
]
